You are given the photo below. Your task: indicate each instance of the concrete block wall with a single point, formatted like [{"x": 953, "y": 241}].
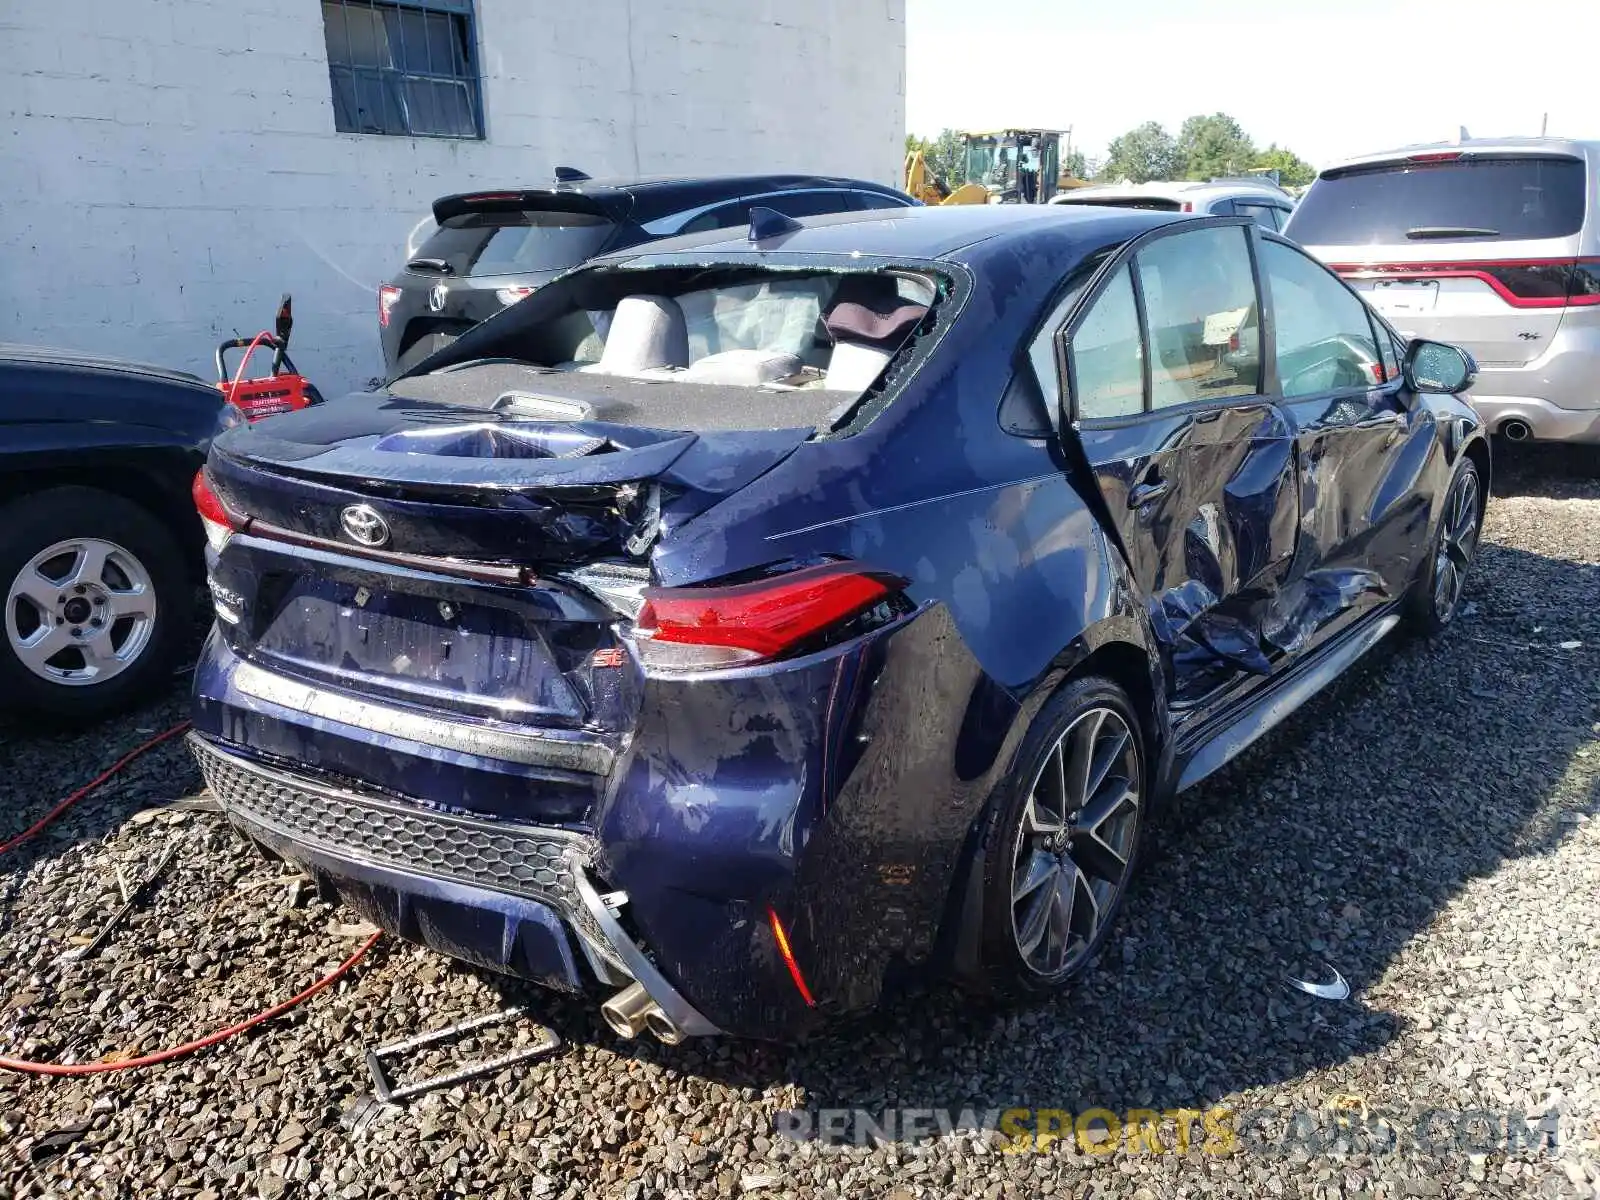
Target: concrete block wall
[{"x": 168, "y": 168}]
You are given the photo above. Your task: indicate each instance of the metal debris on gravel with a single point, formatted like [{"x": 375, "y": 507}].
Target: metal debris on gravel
[{"x": 1430, "y": 827}]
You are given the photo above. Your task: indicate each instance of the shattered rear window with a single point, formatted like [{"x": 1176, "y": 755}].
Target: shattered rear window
[{"x": 702, "y": 347}]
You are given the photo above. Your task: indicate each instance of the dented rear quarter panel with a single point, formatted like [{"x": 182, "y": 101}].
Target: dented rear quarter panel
[{"x": 845, "y": 789}]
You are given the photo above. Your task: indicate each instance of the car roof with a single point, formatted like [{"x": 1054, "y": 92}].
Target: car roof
[
  {"x": 1172, "y": 188},
  {"x": 15, "y": 354},
  {"x": 1470, "y": 147},
  {"x": 646, "y": 198},
  {"x": 662, "y": 186},
  {"x": 924, "y": 232}
]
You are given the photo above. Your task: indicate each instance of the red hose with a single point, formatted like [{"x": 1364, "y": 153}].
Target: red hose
[
  {"x": 39, "y": 826},
  {"x": 232, "y": 389},
  {"x": 160, "y": 1056}
]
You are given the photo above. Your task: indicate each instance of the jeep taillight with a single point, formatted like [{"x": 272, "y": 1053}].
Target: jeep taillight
[{"x": 701, "y": 628}]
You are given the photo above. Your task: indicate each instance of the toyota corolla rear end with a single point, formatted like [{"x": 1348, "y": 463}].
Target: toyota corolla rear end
[{"x": 446, "y": 680}]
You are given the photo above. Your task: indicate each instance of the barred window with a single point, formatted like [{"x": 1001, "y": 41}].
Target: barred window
[{"x": 406, "y": 67}]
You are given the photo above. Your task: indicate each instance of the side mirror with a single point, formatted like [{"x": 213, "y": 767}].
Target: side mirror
[{"x": 1439, "y": 368}]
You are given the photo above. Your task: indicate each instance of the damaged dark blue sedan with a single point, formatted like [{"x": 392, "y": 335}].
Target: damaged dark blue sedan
[{"x": 732, "y": 628}]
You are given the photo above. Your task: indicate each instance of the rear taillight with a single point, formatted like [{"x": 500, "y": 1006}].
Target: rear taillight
[
  {"x": 219, "y": 523},
  {"x": 699, "y": 628},
  {"x": 388, "y": 297},
  {"x": 510, "y": 295},
  {"x": 1187, "y": 207},
  {"x": 1521, "y": 283}
]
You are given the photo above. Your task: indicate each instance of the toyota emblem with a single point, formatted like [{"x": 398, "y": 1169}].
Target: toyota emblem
[
  {"x": 363, "y": 525},
  {"x": 437, "y": 295}
]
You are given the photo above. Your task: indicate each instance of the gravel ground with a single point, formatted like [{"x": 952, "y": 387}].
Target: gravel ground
[{"x": 1428, "y": 828}]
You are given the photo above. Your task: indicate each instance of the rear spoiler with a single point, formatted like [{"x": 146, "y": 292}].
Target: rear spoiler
[
  {"x": 1402, "y": 159},
  {"x": 539, "y": 199}
]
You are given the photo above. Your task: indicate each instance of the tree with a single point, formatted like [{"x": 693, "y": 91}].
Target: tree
[
  {"x": 1213, "y": 146},
  {"x": 947, "y": 158},
  {"x": 1142, "y": 154},
  {"x": 1074, "y": 163},
  {"x": 1293, "y": 171}
]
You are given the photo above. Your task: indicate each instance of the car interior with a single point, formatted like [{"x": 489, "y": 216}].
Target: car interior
[{"x": 701, "y": 340}]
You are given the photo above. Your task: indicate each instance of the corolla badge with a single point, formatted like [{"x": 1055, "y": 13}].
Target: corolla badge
[
  {"x": 363, "y": 525},
  {"x": 437, "y": 295}
]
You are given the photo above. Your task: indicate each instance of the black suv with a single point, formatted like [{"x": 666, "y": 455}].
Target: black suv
[{"x": 492, "y": 248}]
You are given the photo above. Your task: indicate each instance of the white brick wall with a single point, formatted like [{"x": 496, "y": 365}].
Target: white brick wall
[{"x": 168, "y": 168}]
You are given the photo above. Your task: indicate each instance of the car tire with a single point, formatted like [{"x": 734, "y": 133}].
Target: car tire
[
  {"x": 1435, "y": 595},
  {"x": 1062, "y": 841},
  {"x": 85, "y": 560}
]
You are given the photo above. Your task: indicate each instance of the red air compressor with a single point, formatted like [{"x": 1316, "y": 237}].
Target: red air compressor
[{"x": 285, "y": 390}]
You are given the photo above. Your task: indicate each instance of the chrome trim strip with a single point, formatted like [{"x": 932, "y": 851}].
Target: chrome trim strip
[{"x": 507, "y": 745}]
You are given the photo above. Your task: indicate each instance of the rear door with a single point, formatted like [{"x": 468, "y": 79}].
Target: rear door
[
  {"x": 1479, "y": 250},
  {"x": 1196, "y": 465}
]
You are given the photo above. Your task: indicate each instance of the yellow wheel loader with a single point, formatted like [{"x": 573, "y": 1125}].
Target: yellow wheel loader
[{"x": 1006, "y": 166}]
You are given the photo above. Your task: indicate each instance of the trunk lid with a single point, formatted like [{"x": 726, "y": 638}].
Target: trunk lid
[{"x": 472, "y": 563}]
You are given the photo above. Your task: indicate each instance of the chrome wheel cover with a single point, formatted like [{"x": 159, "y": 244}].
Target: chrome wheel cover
[
  {"x": 1075, "y": 841},
  {"x": 80, "y": 612}
]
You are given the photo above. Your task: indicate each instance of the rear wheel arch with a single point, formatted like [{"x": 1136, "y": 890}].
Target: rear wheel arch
[
  {"x": 1133, "y": 668},
  {"x": 1114, "y": 655},
  {"x": 157, "y": 484},
  {"x": 1478, "y": 451}
]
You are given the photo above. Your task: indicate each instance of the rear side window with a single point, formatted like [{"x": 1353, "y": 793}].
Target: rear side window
[
  {"x": 506, "y": 243},
  {"x": 1264, "y": 215},
  {"x": 1465, "y": 199},
  {"x": 870, "y": 200},
  {"x": 1324, "y": 333},
  {"x": 1107, "y": 356},
  {"x": 805, "y": 204},
  {"x": 728, "y": 216}
]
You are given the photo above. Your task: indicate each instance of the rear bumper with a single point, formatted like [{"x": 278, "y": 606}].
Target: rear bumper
[
  {"x": 835, "y": 793},
  {"x": 1557, "y": 395},
  {"x": 513, "y": 898},
  {"x": 1545, "y": 421}
]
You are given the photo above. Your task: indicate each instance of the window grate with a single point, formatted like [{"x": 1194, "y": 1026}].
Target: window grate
[{"x": 404, "y": 67}]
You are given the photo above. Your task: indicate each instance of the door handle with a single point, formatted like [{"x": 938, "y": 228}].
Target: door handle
[{"x": 1144, "y": 493}]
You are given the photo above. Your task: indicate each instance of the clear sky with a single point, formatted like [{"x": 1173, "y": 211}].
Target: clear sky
[{"x": 1327, "y": 78}]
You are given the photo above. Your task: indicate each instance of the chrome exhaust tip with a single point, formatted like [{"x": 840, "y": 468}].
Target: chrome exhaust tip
[
  {"x": 664, "y": 1027},
  {"x": 632, "y": 1011},
  {"x": 628, "y": 1010},
  {"x": 1515, "y": 430}
]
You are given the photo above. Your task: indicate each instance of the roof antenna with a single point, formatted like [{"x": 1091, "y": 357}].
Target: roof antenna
[
  {"x": 770, "y": 223},
  {"x": 1463, "y": 135},
  {"x": 571, "y": 175},
  {"x": 1544, "y": 125}
]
